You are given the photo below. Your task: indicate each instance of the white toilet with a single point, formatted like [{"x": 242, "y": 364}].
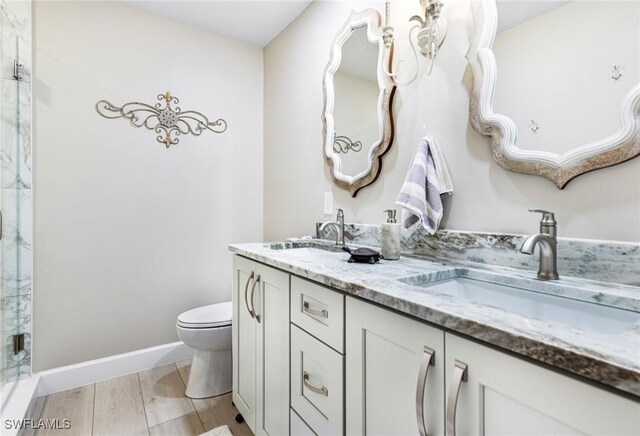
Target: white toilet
[{"x": 207, "y": 330}]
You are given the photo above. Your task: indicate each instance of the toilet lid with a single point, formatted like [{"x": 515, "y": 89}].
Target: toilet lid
[{"x": 214, "y": 315}]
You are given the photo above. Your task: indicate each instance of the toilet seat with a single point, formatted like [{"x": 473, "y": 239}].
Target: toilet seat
[{"x": 206, "y": 317}]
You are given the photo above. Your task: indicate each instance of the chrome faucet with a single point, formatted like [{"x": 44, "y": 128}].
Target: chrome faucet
[
  {"x": 339, "y": 226},
  {"x": 546, "y": 239}
]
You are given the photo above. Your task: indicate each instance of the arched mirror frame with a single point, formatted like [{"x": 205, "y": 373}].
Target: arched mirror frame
[
  {"x": 559, "y": 168},
  {"x": 370, "y": 18}
]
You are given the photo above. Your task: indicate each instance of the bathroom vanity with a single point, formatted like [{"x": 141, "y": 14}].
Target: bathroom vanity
[{"x": 418, "y": 346}]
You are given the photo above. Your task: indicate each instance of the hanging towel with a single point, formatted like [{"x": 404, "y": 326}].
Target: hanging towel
[{"x": 427, "y": 182}]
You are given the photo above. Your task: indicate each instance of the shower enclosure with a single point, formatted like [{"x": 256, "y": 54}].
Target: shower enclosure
[{"x": 15, "y": 190}]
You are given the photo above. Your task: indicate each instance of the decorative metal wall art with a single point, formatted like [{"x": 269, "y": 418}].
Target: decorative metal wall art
[
  {"x": 166, "y": 120},
  {"x": 342, "y": 144}
]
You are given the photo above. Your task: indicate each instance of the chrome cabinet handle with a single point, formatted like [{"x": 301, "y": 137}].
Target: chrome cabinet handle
[
  {"x": 459, "y": 376},
  {"x": 321, "y": 391},
  {"x": 246, "y": 288},
  {"x": 320, "y": 313},
  {"x": 427, "y": 360},
  {"x": 253, "y": 304}
]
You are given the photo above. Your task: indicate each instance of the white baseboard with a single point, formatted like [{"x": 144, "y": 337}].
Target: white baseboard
[
  {"x": 14, "y": 403},
  {"x": 85, "y": 373}
]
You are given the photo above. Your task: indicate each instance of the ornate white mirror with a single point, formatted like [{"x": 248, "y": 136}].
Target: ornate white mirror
[
  {"x": 358, "y": 126},
  {"x": 557, "y": 84}
]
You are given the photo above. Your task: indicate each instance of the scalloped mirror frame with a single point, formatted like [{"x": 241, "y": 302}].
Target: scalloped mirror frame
[
  {"x": 353, "y": 184},
  {"x": 558, "y": 168}
]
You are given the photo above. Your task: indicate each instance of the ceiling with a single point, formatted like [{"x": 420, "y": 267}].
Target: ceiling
[
  {"x": 512, "y": 13},
  {"x": 253, "y": 22}
]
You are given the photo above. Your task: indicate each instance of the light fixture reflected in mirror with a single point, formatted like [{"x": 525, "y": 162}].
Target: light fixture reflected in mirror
[{"x": 431, "y": 30}]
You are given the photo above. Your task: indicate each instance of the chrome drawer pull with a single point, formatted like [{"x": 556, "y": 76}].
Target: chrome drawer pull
[
  {"x": 459, "y": 376},
  {"x": 427, "y": 360},
  {"x": 321, "y": 391},
  {"x": 253, "y": 304},
  {"x": 246, "y": 288},
  {"x": 321, "y": 313}
]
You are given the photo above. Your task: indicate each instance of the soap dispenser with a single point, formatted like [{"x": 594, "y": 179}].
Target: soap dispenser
[{"x": 390, "y": 242}]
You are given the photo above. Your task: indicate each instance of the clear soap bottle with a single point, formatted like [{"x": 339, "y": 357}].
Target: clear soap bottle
[{"x": 390, "y": 240}]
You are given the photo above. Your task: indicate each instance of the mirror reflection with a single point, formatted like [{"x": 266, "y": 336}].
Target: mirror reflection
[
  {"x": 563, "y": 64},
  {"x": 356, "y": 105}
]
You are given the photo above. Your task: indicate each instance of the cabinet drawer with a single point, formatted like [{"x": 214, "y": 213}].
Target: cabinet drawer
[
  {"x": 319, "y": 311},
  {"x": 316, "y": 383},
  {"x": 298, "y": 426}
]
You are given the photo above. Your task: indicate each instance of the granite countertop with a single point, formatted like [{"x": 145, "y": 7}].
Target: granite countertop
[{"x": 611, "y": 359}]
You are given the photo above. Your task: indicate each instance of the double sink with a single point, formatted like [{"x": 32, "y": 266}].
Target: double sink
[{"x": 523, "y": 296}]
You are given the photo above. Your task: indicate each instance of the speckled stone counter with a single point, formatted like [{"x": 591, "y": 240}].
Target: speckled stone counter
[{"x": 609, "y": 359}]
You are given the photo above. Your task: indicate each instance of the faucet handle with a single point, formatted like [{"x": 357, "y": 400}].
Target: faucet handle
[
  {"x": 340, "y": 213},
  {"x": 548, "y": 218}
]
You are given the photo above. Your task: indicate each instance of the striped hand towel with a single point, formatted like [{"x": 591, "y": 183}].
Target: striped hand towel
[{"x": 427, "y": 182}]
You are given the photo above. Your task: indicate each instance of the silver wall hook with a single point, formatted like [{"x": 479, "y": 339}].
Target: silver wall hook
[
  {"x": 534, "y": 126},
  {"x": 616, "y": 72}
]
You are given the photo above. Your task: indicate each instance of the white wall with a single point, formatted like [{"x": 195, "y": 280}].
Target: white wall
[
  {"x": 127, "y": 233},
  {"x": 604, "y": 204}
]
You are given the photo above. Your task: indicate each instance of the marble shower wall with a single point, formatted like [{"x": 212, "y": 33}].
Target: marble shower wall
[
  {"x": 15, "y": 161},
  {"x": 605, "y": 261}
]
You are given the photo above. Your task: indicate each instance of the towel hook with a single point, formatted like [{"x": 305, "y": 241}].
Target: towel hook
[
  {"x": 534, "y": 126},
  {"x": 616, "y": 72}
]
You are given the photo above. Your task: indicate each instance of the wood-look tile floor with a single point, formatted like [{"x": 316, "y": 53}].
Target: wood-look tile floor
[{"x": 150, "y": 403}]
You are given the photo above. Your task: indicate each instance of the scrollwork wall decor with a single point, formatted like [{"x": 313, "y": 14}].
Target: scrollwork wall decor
[
  {"x": 343, "y": 144},
  {"x": 166, "y": 120}
]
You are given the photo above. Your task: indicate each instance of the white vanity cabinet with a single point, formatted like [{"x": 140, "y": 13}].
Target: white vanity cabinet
[
  {"x": 308, "y": 360},
  {"x": 390, "y": 390},
  {"x": 261, "y": 346},
  {"x": 394, "y": 373},
  {"x": 506, "y": 395}
]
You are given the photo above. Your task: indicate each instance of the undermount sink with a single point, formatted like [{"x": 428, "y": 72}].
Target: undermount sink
[
  {"x": 305, "y": 246},
  {"x": 580, "y": 314}
]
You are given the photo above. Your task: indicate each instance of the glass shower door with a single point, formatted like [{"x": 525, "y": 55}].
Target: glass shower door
[
  {"x": 9, "y": 242},
  {"x": 15, "y": 190},
  {"x": 3, "y": 328}
]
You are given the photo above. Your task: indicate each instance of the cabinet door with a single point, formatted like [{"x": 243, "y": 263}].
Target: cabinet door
[
  {"x": 272, "y": 316},
  {"x": 505, "y": 395},
  {"x": 244, "y": 340},
  {"x": 298, "y": 426},
  {"x": 317, "y": 383},
  {"x": 386, "y": 360}
]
